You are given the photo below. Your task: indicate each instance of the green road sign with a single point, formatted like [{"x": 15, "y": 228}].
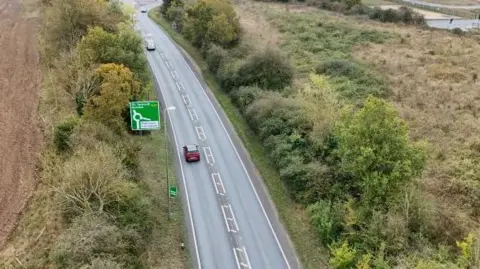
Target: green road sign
[
  {"x": 173, "y": 191},
  {"x": 144, "y": 115}
]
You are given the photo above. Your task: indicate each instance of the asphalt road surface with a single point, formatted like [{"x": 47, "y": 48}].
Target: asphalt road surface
[
  {"x": 231, "y": 222},
  {"x": 419, "y": 2}
]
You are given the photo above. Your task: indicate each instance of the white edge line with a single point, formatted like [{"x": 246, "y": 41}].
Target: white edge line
[
  {"x": 225, "y": 219},
  {"x": 183, "y": 175},
  {"x": 236, "y": 258},
  {"x": 215, "y": 183},
  {"x": 240, "y": 159}
]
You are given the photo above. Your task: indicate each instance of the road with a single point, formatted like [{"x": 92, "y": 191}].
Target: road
[
  {"x": 231, "y": 221},
  {"x": 418, "y": 2}
]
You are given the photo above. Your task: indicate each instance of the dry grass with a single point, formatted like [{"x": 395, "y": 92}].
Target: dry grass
[{"x": 433, "y": 75}]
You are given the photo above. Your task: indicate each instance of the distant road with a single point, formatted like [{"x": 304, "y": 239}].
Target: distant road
[{"x": 418, "y": 2}]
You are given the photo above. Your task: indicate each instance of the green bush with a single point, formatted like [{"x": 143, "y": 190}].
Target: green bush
[
  {"x": 228, "y": 74},
  {"x": 214, "y": 57},
  {"x": 403, "y": 14},
  {"x": 62, "y": 133},
  {"x": 327, "y": 218},
  {"x": 267, "y": 69},
  {"x": 244, "y": 96},
  {"x": 343, "y": 256}
]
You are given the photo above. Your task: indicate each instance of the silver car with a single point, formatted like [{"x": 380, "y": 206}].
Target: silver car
[{"x": 149, "y": 44}]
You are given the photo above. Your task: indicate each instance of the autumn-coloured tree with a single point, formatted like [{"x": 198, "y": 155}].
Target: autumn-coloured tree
[{"x": 117, "y": 88}]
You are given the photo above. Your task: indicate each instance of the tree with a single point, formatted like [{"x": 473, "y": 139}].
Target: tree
[
  {"x": 68, "y": 20},
  {"x": 124, "y": 47},
  {"x": 117, "y": 88},
  {"x": 212, "y": 21},
  {"x": 374, "y": 148}
]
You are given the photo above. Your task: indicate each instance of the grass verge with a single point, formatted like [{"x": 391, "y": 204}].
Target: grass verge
[{"x": 304, "y": 238}]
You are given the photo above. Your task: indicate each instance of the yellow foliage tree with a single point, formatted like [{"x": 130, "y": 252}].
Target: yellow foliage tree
[{"x": 117, "y": 88}]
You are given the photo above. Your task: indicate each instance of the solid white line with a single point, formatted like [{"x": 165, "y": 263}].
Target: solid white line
[
  {"x": 199, "y": 264},
  {"x": 225, "y": 219},
  {"x": 238, "y": 156}
]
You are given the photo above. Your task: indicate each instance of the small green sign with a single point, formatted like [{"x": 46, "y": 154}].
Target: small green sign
[
  {"x": 173, "y": 191},
  {"x": 144, "y": 115}
]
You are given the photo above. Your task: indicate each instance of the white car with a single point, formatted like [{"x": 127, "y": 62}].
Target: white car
[
  {"x": 143, "y": 10},
  {"x": 149, "y": 44}
]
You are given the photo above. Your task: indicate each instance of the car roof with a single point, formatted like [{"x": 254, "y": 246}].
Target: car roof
[{"x": 191, "y": 147}]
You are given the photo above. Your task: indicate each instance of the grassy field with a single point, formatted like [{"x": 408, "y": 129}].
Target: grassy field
[
  {"x": 434, "y": 77},
  {"x": 305, "y": 239}
]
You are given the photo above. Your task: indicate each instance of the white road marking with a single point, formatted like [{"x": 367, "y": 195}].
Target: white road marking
[
  {"x": 208, "y": 153},
  {"x": 194, "y": 234},
  {"x": 217, "y": 181},
  {"x": 162, "y": 55},
  {"x": 225, "y": 219},
  {"x": 200, "y": 133},
  {"x": 169, "y": 64},
  {"x": 174, "y": 74},
  {"x": 179, "y": 86},
  {"x": 241, "y": 257},
  {"x": 236, "y": 229},
  {"x": 240, "y": 159},
  {"x": 193, "y": 114},
  {"x": 186, "y": 99}
]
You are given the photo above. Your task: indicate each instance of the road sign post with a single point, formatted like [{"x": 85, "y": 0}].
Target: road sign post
[{"x": 144, "y": 115}]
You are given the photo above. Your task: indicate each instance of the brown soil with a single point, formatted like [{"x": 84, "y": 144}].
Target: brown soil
[{"x": 20, "y": 137}]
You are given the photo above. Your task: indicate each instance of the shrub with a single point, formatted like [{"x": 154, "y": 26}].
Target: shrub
[
  {"x": 340, "y": 68},
  {"x": 128, "y": 152},
  {"x": 327, "y": 219},
  {"x": 88, "y": 134},
  {"x": 122, "y": 48},
  {"x": 62, "y": 134},
  {"x": 458, "y": 31},
  {"x": 403, "y": 14},
  {"x": 228, "y": 74},
  {"x": 343, "y": 256},
  {"x": 91, "y": 181},
  {"x": 268, "y": 69},
  {"x": 89, "y": 237},
  {"x": 212, "y": 21},
  {"x": 374, "y": 148},
  {"x": 215, "y": 56},
  {"x": 244, "y": 96}
]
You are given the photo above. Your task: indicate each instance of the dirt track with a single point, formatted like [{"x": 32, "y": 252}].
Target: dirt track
[{"x": 20, "y": 137}]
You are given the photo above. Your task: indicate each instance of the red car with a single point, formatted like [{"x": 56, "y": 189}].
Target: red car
[{"x": 191, "y": 152}]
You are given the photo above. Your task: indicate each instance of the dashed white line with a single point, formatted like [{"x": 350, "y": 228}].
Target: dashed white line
[
  {"x": 225, "y": 219},
  {"x": 200, "y": 133},
  {"x": 217, "y": 182},
  {"x": 162, "y": 55},
  {"x": 179, "y": 85},
  {"x": 241, "y": 257},
  {"x": 174, "y": 74},
  {"x": 169, "y": 64},
  {"x": 193, "y": 114},
  {"x": 236, "y": 229},
  {"x": 186, "y": 99},
  {"x": 208, "y": 153}
]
